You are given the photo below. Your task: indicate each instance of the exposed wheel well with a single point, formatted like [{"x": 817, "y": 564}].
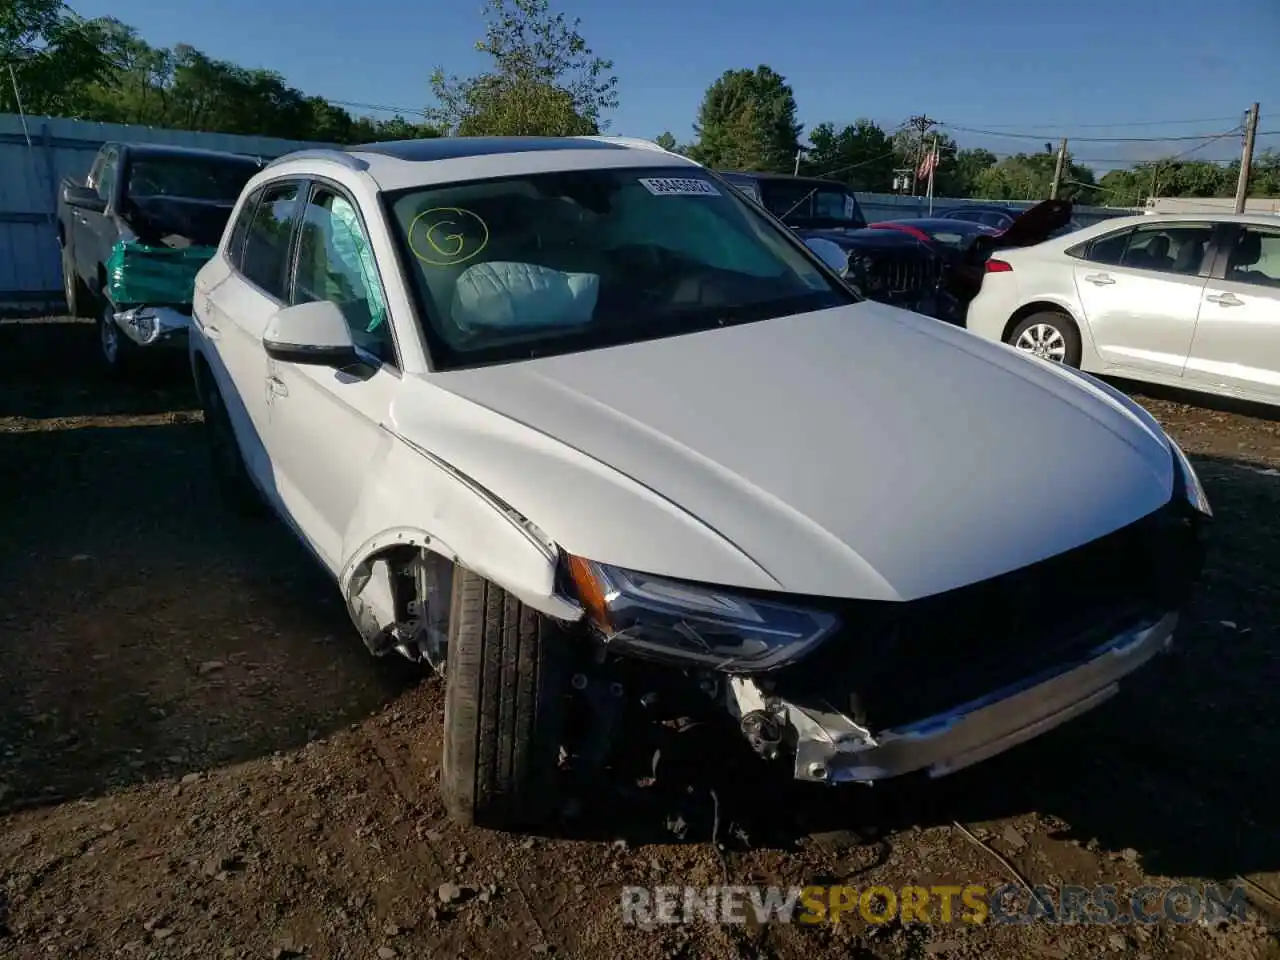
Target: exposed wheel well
[{"x": 1032, "y": 308}]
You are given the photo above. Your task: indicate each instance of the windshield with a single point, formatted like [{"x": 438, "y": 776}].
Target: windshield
[
  {"x": 830, "y": 205},
  {"x": 189, "y": 178},
  {"x": 552, "y": 263}
]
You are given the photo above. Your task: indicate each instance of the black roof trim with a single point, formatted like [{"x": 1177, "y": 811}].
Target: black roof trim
[
  {"x": 454, "y": 148},
  {"x": 171, "y": 150}
]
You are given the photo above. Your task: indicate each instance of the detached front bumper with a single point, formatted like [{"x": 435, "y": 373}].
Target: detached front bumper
[
  {"x": 155, "y": 327},
  {"x": 830, "y": 747}
]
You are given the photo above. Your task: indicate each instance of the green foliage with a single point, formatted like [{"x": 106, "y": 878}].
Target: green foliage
[
  {"x": 103, "y": 70},
  {"x": 545, "y": 80},
  {"x": 54, "y": 55},
  {"x": 747, "y": 121},
  {"x": 1028, "y": 176},
  {"x": 1189, "y": 178},
  {"x": 861, "y": 155}
]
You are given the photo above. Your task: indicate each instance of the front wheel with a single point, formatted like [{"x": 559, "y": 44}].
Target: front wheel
[
  {"x": 505, "y": 688},
  {"x": 1048, "y": 335},
  {"x": 115, "y": 350},
  {"x": 79, "y": 300}
]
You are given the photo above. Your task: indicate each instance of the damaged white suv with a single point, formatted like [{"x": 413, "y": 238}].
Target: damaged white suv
[{"x": 562, "y": 415}]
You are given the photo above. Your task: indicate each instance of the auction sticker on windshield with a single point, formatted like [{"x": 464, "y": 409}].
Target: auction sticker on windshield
[{"x": 679, "y": 187}]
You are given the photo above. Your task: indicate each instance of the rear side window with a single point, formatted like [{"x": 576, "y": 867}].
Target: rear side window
[
  {"x": 1109, "y": 249},
  {"x": 235, "y": 245},
  {"x": 266, "y": 250},
  {"x": 1161, "y": 247}
]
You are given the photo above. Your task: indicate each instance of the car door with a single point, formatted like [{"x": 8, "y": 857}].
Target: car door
[
  {"x": 1236, "y": 349},
  {"x": 326, "y": 436},
  {"x": 1140, "y": 289},
  {"x": 234, "y": 306}
]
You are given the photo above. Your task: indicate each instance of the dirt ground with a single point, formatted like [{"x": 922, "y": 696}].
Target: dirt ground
[{"x": 198, "y": 758}]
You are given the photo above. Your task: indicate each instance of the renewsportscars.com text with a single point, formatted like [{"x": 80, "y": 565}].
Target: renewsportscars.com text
[{"x": 936, "y": 904}]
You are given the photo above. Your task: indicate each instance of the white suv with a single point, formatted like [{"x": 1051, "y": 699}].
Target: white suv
[{"x": 572, "y": 415}]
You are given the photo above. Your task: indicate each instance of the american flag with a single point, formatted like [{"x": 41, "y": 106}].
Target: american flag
[{"x": 928, "y": 164}]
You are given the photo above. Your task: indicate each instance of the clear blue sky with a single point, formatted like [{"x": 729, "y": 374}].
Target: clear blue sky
[{"x": 1061, "y": 68}]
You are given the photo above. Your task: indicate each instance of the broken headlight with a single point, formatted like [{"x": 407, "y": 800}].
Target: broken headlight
[
  {"x": 694, "y": 624},
  {"x": 1188, "y": 481}
]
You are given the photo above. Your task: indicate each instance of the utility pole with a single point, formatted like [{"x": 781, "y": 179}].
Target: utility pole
[
  {"x": 799, "y": 153},
  {"x": 1246, "y": 160},
  {"x": 1058, "y": 169},
  {"x": 921, "y": 124}
]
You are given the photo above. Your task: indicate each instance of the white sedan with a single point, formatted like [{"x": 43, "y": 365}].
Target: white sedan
[
  {"x": 574, "y": 422},
  {"x": 1187, "y": 301}
]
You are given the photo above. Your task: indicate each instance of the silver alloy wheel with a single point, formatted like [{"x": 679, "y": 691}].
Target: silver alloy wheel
[
  {"x": 110, "y": 335},
  {"x": 1043, "y": 340}
]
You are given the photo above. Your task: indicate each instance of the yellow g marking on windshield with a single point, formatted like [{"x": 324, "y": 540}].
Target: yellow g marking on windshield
[{"x": 446, "y": 244}]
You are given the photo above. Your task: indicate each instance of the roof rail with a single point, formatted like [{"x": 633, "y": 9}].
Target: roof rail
[
  {"x": 321, "y": 153},
  {"x": 638, "y": 143}
]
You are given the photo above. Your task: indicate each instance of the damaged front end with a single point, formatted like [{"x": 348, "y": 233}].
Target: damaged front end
[
  {"x": 150, "y": 286},
  {"x": 854, "y": 691}
]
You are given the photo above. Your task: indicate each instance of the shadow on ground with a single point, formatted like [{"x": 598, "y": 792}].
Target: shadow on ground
[
  {"x": 50, "y": 369},
  {"x": 145, "y": 630}
]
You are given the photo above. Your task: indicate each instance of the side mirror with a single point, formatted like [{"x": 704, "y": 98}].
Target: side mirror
[
  {"x": 829, "y": 252},
  {"x": 85, "y": 198},
  {"x": 311, "y": 333}
]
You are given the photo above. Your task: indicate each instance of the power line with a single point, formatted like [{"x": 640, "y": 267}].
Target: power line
[
  {"x": 1037, "y": 136},
  {"x": 1118, "y": 124},
  {"x": 380, "y": 107}
]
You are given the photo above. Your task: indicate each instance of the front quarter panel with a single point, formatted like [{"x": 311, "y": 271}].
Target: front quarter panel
[{"x": 502, "y": 499}]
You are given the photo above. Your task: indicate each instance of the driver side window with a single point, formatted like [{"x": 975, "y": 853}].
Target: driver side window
[
  {"x": 107, "y": 175},
  {"x": 336, "y": 263}
]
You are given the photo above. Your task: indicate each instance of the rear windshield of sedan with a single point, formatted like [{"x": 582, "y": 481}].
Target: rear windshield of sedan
[{"x": 550, "y": 263}]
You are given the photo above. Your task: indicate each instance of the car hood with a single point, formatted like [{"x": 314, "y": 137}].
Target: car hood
[
  {"x": 880, "y": 237},
  {"x": 862, "y": 451}
]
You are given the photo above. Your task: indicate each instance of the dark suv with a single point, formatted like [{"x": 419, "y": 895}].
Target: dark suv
[{"x": 885, "y": 265}]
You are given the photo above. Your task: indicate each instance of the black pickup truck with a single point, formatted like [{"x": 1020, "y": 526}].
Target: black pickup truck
[{"x": 135, "y": 233}]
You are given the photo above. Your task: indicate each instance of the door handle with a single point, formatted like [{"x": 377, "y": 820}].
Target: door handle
[
  {"x": 277, "y": 387},
  {"x": 1225, "y": 299},
  {"x": 212, "y": 332},
  {"x": 1100, "y": 279}
]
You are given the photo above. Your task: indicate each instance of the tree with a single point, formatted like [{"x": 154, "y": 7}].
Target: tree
[
  {"x": 184, "y": 89},
  {"x": 1028, "y": 176},
  {"x": 54, "y": 54},
  {"x": 545, "y": 79},
  {"x": 970, "y": 164},
  {"x": 861, "y": 155},
  {"x": 665, "y": 140},
  {"x": 747, "y": 121}
]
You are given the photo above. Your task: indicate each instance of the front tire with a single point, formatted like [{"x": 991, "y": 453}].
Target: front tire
[
  {"x": 505, "y": 688},
  {"x": 116, "y": 351},
  {"x": 79, "y": 300},
  {"x": 1049, "y": 335}
]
